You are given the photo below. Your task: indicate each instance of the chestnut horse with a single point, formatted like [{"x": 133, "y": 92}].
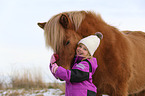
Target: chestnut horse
[{"x": 120, "y": 56}]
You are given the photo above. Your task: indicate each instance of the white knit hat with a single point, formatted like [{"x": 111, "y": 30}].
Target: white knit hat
[{"x": 92, "y": 42}]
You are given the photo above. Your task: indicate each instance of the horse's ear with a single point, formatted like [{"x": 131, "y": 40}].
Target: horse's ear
[
  {"x": 41, "y": 25},
  {"x": 65, "y": 21}
]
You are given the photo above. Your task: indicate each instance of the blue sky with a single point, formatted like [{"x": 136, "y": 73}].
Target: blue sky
[{"x": 22, "y": 42}]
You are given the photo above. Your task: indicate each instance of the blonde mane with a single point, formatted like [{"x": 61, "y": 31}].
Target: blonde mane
[{"x": 55, "y": 33}]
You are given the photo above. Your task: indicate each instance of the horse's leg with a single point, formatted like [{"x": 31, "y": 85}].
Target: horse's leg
[
  {"x": 106, "y": 88},
  {"x": 132, "y": 95},
  {"x": 142, "y": 93},
  {"x": 121, "y": 90},
  {"x": 98, "y": 95}
]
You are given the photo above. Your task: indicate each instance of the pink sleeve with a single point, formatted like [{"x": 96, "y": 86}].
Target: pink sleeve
[{"x": 63, "y": 74}]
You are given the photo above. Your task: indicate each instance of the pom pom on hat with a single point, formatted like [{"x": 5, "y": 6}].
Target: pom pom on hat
[
  {"x": 92, "y": 42},
  {"x": 99, "y": 35}
]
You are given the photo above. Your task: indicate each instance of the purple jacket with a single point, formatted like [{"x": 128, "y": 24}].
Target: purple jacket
[{"x": 79, "y": 78}]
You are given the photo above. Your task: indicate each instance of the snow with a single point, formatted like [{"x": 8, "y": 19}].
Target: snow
[
  {"x": 22, "y": 92},
  {"x": 43, "y": 92}
]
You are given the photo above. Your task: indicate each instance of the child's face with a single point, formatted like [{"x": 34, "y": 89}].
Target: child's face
[{"x": 82, "y": 50}]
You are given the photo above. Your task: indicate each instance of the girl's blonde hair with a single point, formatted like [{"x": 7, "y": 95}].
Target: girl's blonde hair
[{"x": 89, "y": 55}]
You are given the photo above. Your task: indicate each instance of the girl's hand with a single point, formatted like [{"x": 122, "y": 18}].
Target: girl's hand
[{"x": 53, "y": 68}]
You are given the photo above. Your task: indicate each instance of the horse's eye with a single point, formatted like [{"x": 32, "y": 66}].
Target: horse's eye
[{"x": 67, "y": 42}]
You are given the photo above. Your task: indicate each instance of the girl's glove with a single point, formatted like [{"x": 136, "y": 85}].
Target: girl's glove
[
  {"x": 54, "y": 58},
  {"x": 53, "y": 68},
  {"x": 51, "y": 71}
]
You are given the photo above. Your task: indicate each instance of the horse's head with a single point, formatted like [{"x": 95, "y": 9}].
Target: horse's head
[
  {"x": 61, "y": 35},
  {"x": 63, "y": 31}
]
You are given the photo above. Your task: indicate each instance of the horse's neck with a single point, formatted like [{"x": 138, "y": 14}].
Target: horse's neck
[{"x": 97, "y": 24}]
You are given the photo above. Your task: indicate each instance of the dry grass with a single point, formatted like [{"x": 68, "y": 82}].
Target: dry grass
[
  {"x": 1, "y": 84},
  {"x": 61, "y": 86},
  {"x": 56, "y": 85},
  {"x": 14, "y": 94},
  {"x": 27, "y": 80}
]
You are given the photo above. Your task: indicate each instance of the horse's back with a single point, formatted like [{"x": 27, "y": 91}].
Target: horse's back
[{"x": 137, "y": 46}]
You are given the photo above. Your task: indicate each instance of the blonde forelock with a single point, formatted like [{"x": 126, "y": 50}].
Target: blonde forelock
[{"x": 55, "y": 33}]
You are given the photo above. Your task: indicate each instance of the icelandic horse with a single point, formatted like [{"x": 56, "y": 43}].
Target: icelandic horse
[{"x": 120, "y": 55}]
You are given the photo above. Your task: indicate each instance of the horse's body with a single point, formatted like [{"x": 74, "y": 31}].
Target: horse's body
[{"x": 120, "y": 55}]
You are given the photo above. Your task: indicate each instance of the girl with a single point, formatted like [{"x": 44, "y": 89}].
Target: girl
[{"x": 79, "y": 78}]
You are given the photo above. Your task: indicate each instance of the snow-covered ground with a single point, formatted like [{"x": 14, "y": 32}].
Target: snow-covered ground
[
  {"x": 22, "y": 92},
  {"x": 43, "y": 92}
]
